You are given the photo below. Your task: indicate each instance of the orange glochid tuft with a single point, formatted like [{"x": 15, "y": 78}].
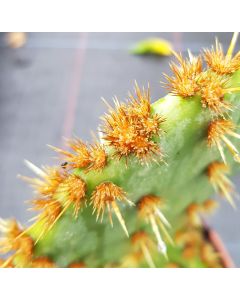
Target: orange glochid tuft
[
  {"x": 15, "y": 240},
  {"x": 98, "y": 157},
  {"x": 50, "y": 212},
  {"x": 195, "y": 210},
  {"x": 219, "y": 62},
  {"x": 93, "y": 157},
  {"x": 79, "y": 157},
  {"x": 185, "y": 76},
  {"x": 217, "y": 136},
  {"x": 190, "y": 79},
  {"x": 105, "y": 196},
  {"x": 72, "y": 192},
  {"x": 150, "y": 210},
  {"x": 77, "y": 265},
  {"x": 130, "y": 127},
  {"x": 141, "y": 241},
  {"x": 49, "y": 178},
  {"x": 217, "y": 174},
  {"x": 42, "y": 262}
]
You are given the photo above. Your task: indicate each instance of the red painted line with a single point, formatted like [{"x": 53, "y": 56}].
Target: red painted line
[
  {"x": 219, "y": 246},
  {"x": 177, "y": 41},
  {"x": 74, "y": 88}
]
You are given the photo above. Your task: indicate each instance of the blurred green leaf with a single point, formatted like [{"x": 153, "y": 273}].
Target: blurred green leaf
[{"x": 155, "y": 46}]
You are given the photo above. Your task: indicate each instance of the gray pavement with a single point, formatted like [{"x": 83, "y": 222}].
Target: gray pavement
[{"x": 52, "y": 87}]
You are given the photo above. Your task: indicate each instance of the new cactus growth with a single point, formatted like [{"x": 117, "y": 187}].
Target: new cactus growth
[{"x": 135, "y": 197}]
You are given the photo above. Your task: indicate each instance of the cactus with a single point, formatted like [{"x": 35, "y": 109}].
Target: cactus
[{"x": 135, "y": 197}]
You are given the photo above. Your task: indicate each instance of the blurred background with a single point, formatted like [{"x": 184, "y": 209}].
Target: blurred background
[{"x": 51, "y": 86}]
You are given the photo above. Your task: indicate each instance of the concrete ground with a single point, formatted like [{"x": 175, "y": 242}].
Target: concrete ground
[{"x": 52, "y": 87}]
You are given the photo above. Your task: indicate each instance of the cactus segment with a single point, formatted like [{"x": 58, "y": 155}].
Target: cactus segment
[{"x": 152, "y": 171}]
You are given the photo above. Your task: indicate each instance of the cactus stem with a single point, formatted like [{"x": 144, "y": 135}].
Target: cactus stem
[{"x": 204, "y": 112}]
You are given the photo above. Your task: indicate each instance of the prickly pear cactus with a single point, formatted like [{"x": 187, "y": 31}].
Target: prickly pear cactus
[{"x": 135, "y": 197}]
